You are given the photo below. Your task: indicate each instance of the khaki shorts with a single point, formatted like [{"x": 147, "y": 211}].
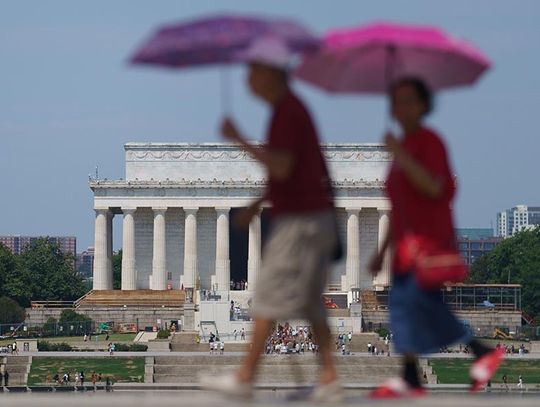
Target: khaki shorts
[{"x": 295, "y": 264}]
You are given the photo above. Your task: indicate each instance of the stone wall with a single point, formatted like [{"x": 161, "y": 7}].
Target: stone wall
[
  {"x": 369, "y": 232},
  {"x": 143, "y": 316},
  {"x": 482, "y": 323},
  {"x": 338, "y": 269},
  {"x": 144, "y": 235},
  {"x": 224, "y": 161},
  {"x": 206, "y": 245},
  {"x": 175, "y": 222}
]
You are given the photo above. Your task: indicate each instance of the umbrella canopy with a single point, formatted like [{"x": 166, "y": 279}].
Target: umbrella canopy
[
  {"x": 218, "y": 40},
  {"x": 366, "y": 59}
]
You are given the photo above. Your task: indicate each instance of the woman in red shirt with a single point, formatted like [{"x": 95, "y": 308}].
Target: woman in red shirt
[{"x": 421, "y": 188}]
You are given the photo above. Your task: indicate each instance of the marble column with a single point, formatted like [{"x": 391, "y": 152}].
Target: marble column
[
  {"x": 254, "y": 251},
  {"x": 129, "y": 277},
  {"x": 101, "y": 269},
  {"x": 110, "y": 217},
  {"x": 352, "y": 265},
  {"x": 190, "y": 248},
  {"x": 159, "y": 257},
  {"x": 383, "y": 278},
  {"x": 223, "y": 263}
]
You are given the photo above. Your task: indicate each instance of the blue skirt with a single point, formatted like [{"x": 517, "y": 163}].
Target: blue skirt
[{"x": 421, "y": 323}]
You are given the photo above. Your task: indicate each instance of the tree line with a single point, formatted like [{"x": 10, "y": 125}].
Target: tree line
[
  {"x": 42, "y": 272},
  {"x": 516, "y": 260}
]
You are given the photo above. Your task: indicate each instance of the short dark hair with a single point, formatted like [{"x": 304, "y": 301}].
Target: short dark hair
[{"x": 422, "y": 90}]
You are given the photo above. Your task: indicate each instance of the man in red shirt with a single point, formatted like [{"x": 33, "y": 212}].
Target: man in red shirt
[{"x": 298, "y": 253}]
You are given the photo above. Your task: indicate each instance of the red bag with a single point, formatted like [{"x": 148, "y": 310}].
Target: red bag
[{"x": 433, "y": 267}]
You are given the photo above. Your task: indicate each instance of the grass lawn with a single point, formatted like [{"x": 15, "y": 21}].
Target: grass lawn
[
  {"x": 119, "y": 369},
  {"x": 456, "y": 371},
  {"x": 122, "y": 338}
]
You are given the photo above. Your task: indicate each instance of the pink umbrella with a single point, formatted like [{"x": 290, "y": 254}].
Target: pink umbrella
[{"x": 367, "y": 59}]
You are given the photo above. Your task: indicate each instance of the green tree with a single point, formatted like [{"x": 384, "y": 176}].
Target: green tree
[
  {"x": 117, "y": 270},
  {"x": 8, "y": 264},
  {"x": 10, "y": 311},
  {"x": 69, "y": 315},
  {"x": 44, "y": 272},
  {"x": 515, "y": 260}
]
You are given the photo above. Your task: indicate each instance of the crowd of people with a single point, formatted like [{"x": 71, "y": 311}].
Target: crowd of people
[
  {"x": 217, "y": 346},
  {"x": 519, "y": 384},
  {"x": 239, "y": 313},
  {"x": 506, "y": 349},
  {"x": 239, "y": 285},
  {"x": 78, "y": 378},
  {"x": 512, "y": 349},
  {"x": 342, "y": 341},
  {"x": 286, "y": 339},
  {"x": 239, "y": 333},
  {"x": 10, "y": 349}
]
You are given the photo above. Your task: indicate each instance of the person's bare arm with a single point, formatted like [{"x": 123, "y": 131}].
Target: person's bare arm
[
  {"x": 421, "y": 178},
  {"x": 279, "y": 164},
  {"x": 244, "y": 216}
]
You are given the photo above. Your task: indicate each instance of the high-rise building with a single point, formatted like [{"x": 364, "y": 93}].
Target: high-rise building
[
  {"x": 85, "y": 262},
  {"x": 18, "y": 244},
  {"x": 520, "y": 217},
  {"x": 475, "y": 242}
]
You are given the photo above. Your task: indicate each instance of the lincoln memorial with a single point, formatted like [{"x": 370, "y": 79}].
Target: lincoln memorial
[{"x": 178, "y": 200}]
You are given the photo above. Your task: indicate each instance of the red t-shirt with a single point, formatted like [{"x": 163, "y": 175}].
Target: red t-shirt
[
  {"x": 306, "y": 189},
  {"x": 412, "y": 211}
]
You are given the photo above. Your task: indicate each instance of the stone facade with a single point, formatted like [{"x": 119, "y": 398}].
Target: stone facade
[
  {"x": 482, "y": 323},
  {"x": 144, "y": 317},
  {"x": 176, "y": 199}
]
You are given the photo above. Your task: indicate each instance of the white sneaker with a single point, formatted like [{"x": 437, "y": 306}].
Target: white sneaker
[
  {"x": 227, "y": 384},
  {"x": 327, "y": 393}
]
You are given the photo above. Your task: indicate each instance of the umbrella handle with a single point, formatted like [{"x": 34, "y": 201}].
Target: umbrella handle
[{"x": 390, "y": 126}]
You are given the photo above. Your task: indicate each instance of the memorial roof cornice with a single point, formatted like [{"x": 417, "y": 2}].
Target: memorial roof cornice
[
  {"x": 169, "y": 184},
  {"x": 231, "y": 152}
]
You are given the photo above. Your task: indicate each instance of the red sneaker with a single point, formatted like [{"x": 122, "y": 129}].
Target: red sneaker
[
  {"x": 483, "y": 369},
  {"x": 396, "y": 388}
]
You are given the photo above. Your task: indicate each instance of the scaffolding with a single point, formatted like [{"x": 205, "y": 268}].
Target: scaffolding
[
  {"x": 479, "y": 297},
  {"x": 459, "y": 297}
]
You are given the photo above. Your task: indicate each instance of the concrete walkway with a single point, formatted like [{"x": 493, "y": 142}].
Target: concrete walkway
[
  {"x": 529, "y": 356},
  {"x": 164, "y": 399}
]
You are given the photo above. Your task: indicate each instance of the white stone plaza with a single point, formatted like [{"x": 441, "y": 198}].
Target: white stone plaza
[
  {"x": 150, "y": 398},
  {"x": 177, "y": 201}
]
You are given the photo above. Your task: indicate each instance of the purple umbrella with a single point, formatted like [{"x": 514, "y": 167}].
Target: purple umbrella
[{"x": 217, "y": 40}]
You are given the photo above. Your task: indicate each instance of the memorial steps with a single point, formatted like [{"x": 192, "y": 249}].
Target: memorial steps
[
  {"x": 132, "y": 298},
  {"x": 18, "y": 368},
  {"x": 275, "y": 369},
  {"x": 186, "y": 342}
]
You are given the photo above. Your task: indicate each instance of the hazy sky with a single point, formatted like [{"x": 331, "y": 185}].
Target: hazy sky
[{"x": 69, "y": 101}]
